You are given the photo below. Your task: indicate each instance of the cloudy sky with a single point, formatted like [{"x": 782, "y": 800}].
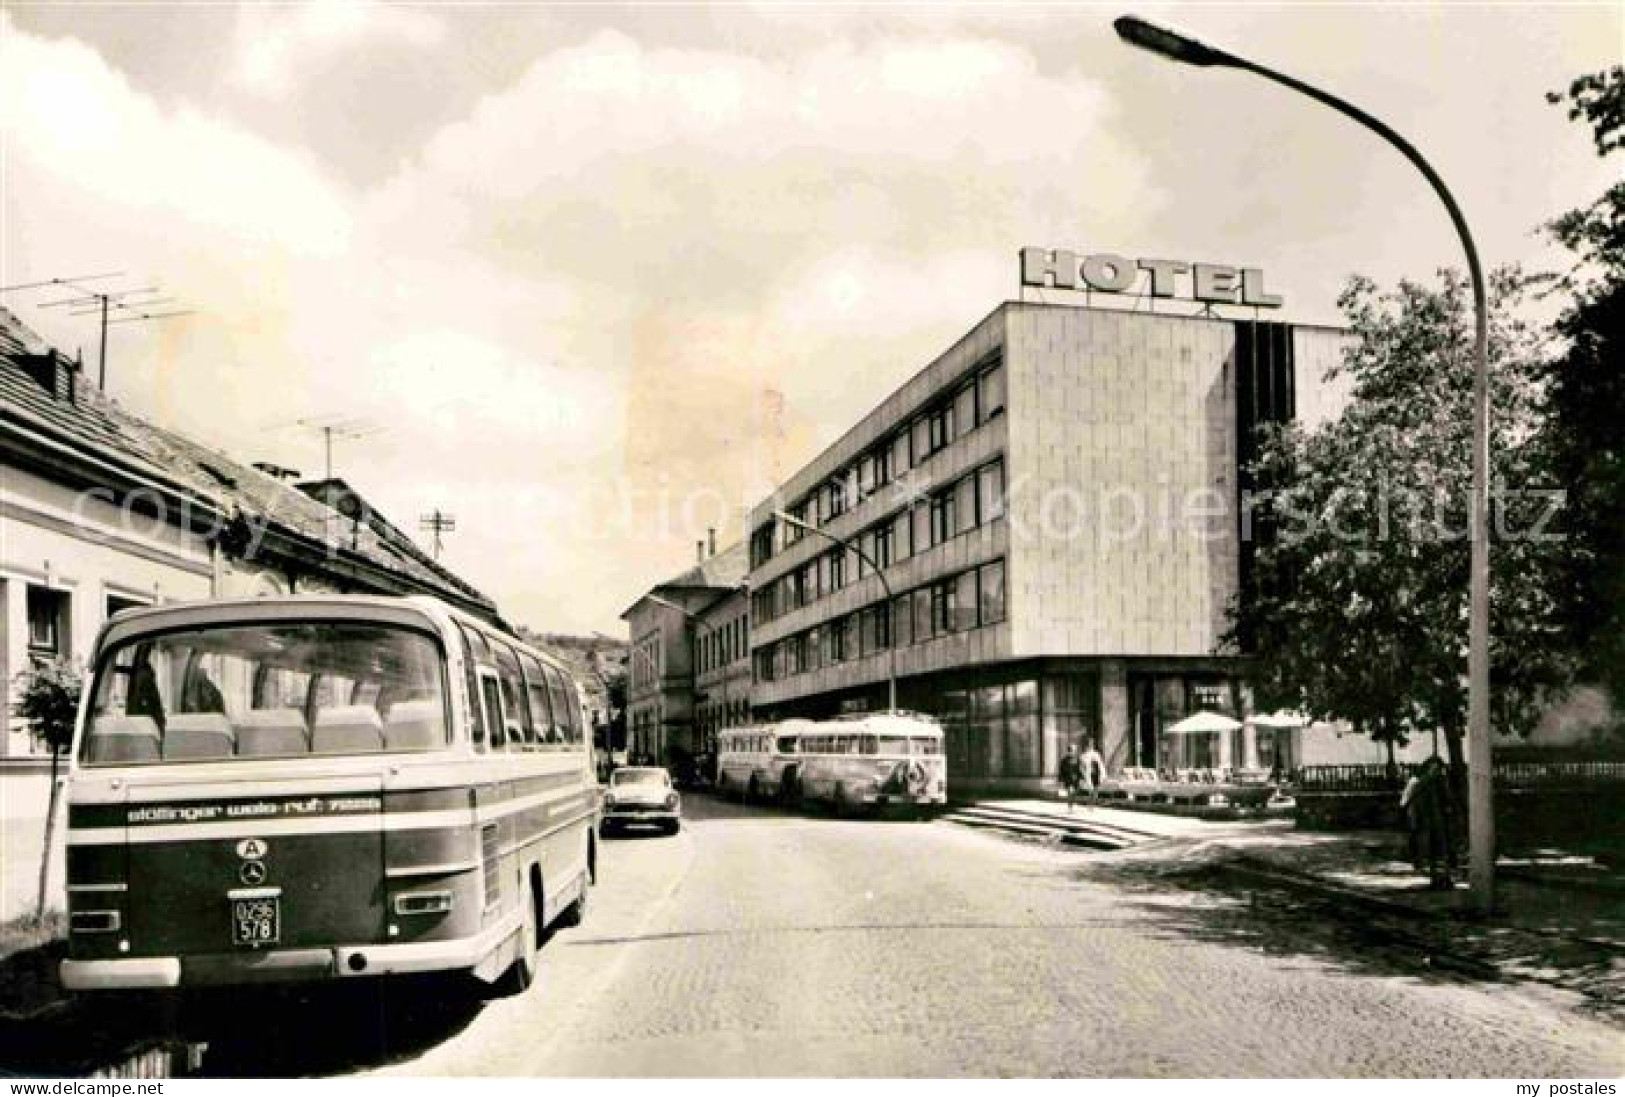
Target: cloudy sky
[{"x": 604, "y": 274}]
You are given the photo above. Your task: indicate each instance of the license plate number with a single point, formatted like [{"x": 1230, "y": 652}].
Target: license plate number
[{"x": 256, "y": 922}]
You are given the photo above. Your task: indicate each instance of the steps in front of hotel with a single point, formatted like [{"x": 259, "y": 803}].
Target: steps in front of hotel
[{"x": 1073, "y": 830}]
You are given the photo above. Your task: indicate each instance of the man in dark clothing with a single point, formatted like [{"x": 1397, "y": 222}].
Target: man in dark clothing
[
  {"x": 1428, "y": 811},
  {"x": 1071, "y": 774}
]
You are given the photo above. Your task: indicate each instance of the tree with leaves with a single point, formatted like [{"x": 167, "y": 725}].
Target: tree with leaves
[
  {"x": 1584, "y": 433},
  {"x": 48, "y": 702},
  {"x": 1358, "y": 604}
]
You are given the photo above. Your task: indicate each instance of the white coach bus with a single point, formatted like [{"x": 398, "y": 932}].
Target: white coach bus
[{"x": 320, "y": 788}]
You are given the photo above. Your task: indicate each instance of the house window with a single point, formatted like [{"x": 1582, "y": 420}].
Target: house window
[
  {"x": 964, "y": 493},
  {"x": 900, "y": 453},
  {"x": 883, "y": 545},
  {"x": 922, "y": 439},
  {"x": 902, "y": 612},
  {"x": 866, "y": 476},
  {"x": 943, "y": 510},
  {"x": 117, "y": 604},
  {"x": 962, "y": 613},
  {"x": 990, "y": 491},
  {"x": 992, "y": 396},
  {"x": 47, "y": 622},
  {"x": 991, "y": 592},
  {"x": 965, "y": 408},
  {"x": 922, "y": 615},
  {"x": 941, "y": 428}
]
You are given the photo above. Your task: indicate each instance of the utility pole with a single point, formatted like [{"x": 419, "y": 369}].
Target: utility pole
[{"x": 437, "y": 523}]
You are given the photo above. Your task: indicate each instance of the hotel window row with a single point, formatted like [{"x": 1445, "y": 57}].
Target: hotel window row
[
  {"x": 970, "y": 502},
  {"x": 948, "y": 418},
  {"x": 722, "y": 644},
  {"x": 958, "y": 603}
]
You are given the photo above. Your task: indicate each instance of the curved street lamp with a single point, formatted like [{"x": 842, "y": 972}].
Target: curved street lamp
[
  {"x": 1182, "y": 48},
  {"x": 879, "y": 573}
]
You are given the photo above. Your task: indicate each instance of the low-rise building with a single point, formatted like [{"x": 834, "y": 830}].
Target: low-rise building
[
  {"x": 101, "y": 509},
  {"x": 682, "y": 657}
]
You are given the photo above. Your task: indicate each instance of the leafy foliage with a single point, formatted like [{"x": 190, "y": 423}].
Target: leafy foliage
[
  {"x": 1360, "y": 602},
  {"x": 48, "y": 701},
  {"x": 1584, "y": 439}
]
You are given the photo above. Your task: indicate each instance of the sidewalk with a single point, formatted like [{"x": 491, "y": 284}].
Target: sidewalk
[
  {"x": 1552, "y": 892},
  {"x": 1559, "y": 919}
]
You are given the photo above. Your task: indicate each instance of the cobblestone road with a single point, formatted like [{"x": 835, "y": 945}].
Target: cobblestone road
[{"x": 762, "y": 944}]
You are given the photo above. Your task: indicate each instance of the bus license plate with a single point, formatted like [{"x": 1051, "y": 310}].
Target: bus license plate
[{"x": 256, "y": 922}]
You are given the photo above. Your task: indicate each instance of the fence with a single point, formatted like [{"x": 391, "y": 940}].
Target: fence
[{"x": 1552, "y": 775}]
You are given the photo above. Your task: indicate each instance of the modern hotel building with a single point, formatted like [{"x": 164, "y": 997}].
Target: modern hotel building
[{"x": 1042, "y": 531}]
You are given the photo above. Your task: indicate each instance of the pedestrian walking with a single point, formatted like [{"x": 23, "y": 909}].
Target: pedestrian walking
[
  {"x": 1071, "y": 774},
  {"x": 1093, "y": 772}
]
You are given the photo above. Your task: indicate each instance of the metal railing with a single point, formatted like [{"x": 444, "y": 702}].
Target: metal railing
[{"x": 1523, "y": 774}]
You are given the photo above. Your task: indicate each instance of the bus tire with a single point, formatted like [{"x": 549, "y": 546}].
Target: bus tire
[
  {"x": 576, "y": 912},
  {"x": 753, "y": 791},
  {"x": 522, "y": 972},
  {"x": 839, "y": 804}
]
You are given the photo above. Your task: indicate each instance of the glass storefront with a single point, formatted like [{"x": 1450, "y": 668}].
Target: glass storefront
[
  {"x": 1158, "y": 701},
  {"x": 1017, "y": 726}
]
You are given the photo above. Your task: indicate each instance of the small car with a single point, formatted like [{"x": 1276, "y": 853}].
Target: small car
[{"x": 641, "y": 795}]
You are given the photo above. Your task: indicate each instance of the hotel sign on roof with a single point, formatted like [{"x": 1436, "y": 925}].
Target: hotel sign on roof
[{"x": 1210, "y": 283}]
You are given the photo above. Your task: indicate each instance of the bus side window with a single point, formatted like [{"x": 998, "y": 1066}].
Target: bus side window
[
  {"x": 555, "y": 706},
  {"x": 476, "y": 715},
  {"x": 566, "y": 722},
  {"x": 572, "y": 709},
  {"x": 516, "y": 713},
  {"x": 536, "y": 696},
  {"x": 491, "y": 695}
]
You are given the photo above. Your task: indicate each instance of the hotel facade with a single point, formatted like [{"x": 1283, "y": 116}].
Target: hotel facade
[{"x": 1037, "y": 538}]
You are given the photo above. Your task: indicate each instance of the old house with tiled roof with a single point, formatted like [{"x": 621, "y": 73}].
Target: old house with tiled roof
[
  {"x": 101, "y": 509},
  {"x": 688, "y": 671}
]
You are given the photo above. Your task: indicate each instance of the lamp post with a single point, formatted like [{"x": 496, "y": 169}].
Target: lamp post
[
  {"x": 1178, "y": 47},
  {"x": 891, "y": 640}
]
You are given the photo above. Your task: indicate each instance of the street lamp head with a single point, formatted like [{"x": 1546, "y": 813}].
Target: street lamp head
[{"x": 1167, "y": 43}]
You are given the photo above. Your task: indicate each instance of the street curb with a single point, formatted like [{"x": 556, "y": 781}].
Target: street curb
[
  {"x": 1436, "y": 957},
  {"x": 1262, "y": 870}
]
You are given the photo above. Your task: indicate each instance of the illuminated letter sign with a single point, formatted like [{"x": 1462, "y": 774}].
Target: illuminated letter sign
[{"x": 1210, "y": 283}]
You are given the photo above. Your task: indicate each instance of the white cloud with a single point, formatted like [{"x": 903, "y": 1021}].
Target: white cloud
[{"x": 275, "y": 45}]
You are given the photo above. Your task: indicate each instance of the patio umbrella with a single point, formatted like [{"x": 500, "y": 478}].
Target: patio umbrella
[
  {"x": 1203, "y": 722},
  {"x": 1278, "y": 720}
]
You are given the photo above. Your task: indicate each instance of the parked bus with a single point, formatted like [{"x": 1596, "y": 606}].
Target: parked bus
[
  {"x": 751, "y": 760},
  {"x": 317, "y": 788},
  {"x": 885, "y": 759}
]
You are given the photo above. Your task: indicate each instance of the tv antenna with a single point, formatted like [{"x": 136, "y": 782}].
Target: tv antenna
[
  {"x": 114, "y": 307},
  {"x": 437, "y": 522},
  {"x": 340, "y": 427}
]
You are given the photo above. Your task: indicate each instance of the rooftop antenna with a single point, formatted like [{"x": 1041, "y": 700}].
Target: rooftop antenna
[
  {"x": 437, "y": 523},
  {"x": 337, "y": 426},
  {"x": 131, "y": 306}
]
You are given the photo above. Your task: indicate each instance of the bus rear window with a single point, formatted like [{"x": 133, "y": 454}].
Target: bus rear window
[{"x": 267, "y": 691}]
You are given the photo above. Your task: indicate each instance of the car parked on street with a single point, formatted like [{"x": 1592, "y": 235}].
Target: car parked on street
[{"x": 641, "y": 796}]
